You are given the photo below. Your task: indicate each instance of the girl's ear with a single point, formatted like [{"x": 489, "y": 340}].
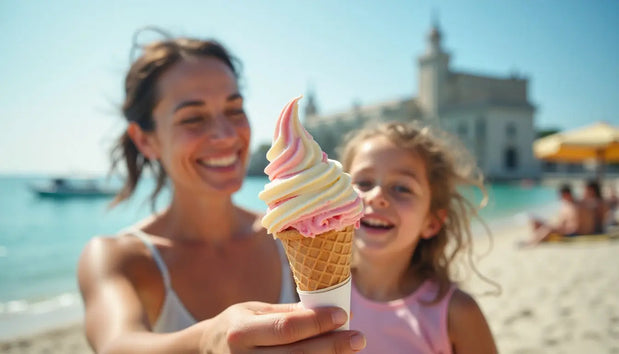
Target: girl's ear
[
  {"x": 434, "y": 225},
  {"x": 144, "y": 141}
]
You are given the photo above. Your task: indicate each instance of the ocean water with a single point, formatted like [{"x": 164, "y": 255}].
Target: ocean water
[{"x": 41, "y": 240}]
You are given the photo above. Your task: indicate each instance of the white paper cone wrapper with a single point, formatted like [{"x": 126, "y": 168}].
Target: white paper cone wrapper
[{"x": 336, "y": 295}]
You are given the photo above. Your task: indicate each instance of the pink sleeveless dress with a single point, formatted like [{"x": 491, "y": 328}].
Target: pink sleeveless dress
[{"x": 407, "y": 325}]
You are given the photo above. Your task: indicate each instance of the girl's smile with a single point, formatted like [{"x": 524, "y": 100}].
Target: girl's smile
[
  {"x": 395, "y": 190},
  {"x": 376, "y": 223}
]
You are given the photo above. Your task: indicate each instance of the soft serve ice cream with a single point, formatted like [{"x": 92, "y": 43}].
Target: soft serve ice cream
[{"x": 307, "y": 191}]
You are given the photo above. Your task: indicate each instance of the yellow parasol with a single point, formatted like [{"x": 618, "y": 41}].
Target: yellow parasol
[{"x": 599, "y": 142}]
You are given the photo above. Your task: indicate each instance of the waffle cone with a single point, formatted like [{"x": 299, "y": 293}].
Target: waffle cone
[{"x": 321, "y": 261}]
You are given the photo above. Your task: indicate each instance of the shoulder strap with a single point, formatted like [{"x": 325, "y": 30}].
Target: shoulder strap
[{"x": 153, "y": 250}]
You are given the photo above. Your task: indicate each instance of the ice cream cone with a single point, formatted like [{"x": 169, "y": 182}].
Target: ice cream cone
[
  {"x": 318, "y": 262},
  {"x": 312, "y": 199}
]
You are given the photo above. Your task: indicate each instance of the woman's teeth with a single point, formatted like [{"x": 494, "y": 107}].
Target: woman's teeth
[{"x": 220, "y": 161}]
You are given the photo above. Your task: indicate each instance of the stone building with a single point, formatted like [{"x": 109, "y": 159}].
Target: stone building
[{"x": 491, "y": 115}]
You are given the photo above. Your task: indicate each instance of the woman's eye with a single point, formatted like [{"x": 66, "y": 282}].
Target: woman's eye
[
  {"x": 191, "y": 120},
  {"x": 236, "y": 113}
]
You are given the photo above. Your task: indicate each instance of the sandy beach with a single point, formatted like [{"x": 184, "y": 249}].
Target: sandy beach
[
  {"x": 556, "y": 298},
  {"x": 67, "y": 340}
]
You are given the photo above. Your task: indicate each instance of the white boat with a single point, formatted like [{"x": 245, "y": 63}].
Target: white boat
[{"x": 66, "y": 188}]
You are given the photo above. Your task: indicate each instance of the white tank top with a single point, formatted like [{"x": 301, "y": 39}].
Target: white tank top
[{"x": 174, "y": 316}]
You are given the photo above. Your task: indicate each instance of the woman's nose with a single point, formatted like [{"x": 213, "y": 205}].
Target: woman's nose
[
  {"x": 222, "y": 130},
  {"x": 376, "y": 197}
]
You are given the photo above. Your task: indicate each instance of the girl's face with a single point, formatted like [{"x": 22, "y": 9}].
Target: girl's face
[
  {"x": 394, "y": 186},
  {"x": 202, "y": 133}
]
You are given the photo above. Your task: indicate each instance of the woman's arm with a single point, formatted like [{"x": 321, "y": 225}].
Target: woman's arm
[
  {"x": 468, "y": 330},
  {"x": 116, "y": 321}
]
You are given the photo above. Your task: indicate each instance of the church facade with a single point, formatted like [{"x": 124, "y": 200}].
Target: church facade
[{"x": 492, "y": 116}]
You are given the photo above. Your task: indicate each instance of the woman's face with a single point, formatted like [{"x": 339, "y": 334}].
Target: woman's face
[
  {"x": 394, "y": 186},
  {"x": 201, "y": 132}
]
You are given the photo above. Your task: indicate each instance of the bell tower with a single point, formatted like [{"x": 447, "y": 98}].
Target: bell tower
[
  {"x": 433, "y": 72},
  {"x": 310, "y": 107}
]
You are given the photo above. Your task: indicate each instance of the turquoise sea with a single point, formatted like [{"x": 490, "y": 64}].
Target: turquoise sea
[{"x": 41, "y": 239}]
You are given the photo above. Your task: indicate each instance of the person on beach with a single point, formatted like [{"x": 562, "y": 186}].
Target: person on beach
[
  {"x": 202, "y": 275},
  {"x": 568, "y": 221},
  {"x": 613, "y": 203},
  {"x": 587, "y": 216},
  {"x": 416, "y": 222},
  {"x": 594, "y": 210}
]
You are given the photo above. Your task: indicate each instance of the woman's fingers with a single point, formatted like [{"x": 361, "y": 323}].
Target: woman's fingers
[
  {"x": 261, "y": 308},
  {"x": 331, "y": 343},
  {"x": 272, "y": 329}
]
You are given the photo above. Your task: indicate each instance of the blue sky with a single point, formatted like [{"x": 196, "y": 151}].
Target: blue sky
[{"x": 64, "y": 61}]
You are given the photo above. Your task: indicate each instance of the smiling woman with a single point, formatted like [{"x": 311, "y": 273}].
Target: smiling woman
[
  {"x": 203, "y": 270},
  {"x": 201, "y": 131},
  {"x": 143, "y": 103}
]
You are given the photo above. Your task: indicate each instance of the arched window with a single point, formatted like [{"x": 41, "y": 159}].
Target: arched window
[
  {"x": 510, "y": 130},
  {"x": 463, "y": 130},
  {"x": 511, "y": 158},
  {"x": 480, "y": 128},
  {"x": 480, "y": 141}
]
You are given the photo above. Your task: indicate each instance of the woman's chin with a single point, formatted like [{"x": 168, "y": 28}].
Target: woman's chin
[
  {"x": 225, "y": 187},
  {"x": 229, "y": 181}
]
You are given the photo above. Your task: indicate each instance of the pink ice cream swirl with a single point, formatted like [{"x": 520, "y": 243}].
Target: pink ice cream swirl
[{"x": 307, "y": 191}]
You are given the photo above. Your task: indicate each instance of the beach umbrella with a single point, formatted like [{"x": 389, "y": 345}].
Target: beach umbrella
[{"x": 598, "y": 142}]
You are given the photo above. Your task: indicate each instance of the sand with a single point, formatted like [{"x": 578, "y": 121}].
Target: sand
[
  {"x": 557, "y": 298},
  {"x": 67, "y": 340}
]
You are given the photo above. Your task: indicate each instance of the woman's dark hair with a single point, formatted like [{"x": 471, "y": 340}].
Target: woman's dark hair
[{"x": 141, "y": 96}]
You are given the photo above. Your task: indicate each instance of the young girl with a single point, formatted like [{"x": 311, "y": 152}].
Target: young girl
[{"x": 416, "y": 221}]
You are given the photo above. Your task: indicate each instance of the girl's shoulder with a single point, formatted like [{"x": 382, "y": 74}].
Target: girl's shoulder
[
  {"x": 461, "y": 303},
  {"x": 465, "y": 317},
  {"x": 468, "y": 329}
]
